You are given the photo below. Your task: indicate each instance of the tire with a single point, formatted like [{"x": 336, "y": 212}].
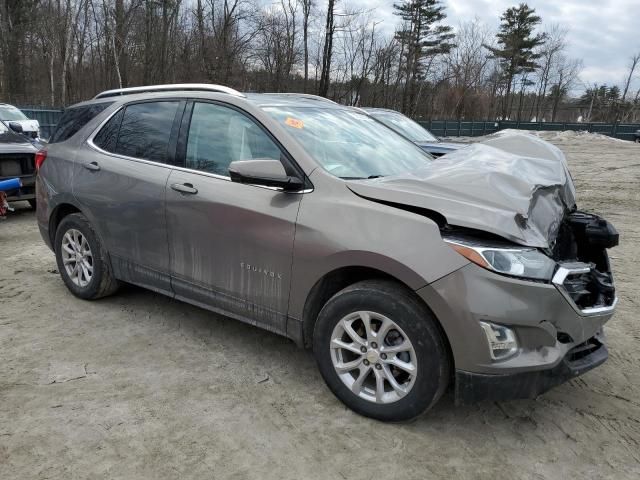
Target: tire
[
  {"x": 33, "y": 203},
  {"x": 382, "y": 301},
  {"x": 101, "y": 281}
]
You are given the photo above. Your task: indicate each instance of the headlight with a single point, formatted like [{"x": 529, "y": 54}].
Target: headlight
[{"x": 518, "y": 262}]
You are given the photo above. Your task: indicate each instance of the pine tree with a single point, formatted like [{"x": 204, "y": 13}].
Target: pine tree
[
  {"x": 422, "y": 39},
  {"x": 517, "y": 46}
]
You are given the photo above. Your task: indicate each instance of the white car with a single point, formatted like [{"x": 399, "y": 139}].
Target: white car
[{"x": 10, "y": 114}]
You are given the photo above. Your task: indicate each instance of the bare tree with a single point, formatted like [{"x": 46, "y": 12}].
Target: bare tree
[
  {"x": 55, "y": 52},
  {"x": 632, "y": 68},
  {"x": 467, "y": 64},
  {"x": 550, "y": 53},
  {"x": 276, "y": 48},
  {"x": 307, "y": 5},
  {"x": 565, "y": 74},
  {"x": 327, "y": 51}
]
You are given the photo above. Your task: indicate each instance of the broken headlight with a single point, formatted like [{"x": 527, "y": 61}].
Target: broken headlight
[{"x": 517, "y": 262}]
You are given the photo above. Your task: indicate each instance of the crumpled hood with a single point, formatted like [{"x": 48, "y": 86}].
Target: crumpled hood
[{"x": 514, "y": 185}]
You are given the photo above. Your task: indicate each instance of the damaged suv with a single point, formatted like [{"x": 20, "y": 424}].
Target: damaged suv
[{"x": 312, "y": 220}]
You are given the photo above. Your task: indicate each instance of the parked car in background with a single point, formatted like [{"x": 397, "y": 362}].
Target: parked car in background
[
  {"x": 11, "y": 115},
  {"x": 313, "y": 220},
  {"x": 17, "y": 160},
  {"x": 413, "y": 131}
]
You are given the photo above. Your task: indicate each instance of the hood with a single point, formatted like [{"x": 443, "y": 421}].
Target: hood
[{"x": 516, "y": 186}]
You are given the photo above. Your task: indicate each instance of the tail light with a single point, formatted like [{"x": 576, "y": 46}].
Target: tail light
[{"x": 41, "y": 156}]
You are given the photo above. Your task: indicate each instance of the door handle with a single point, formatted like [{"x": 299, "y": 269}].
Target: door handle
[
  {"x": 93, "y": 166},
  {"x": 184, "y": 188}
]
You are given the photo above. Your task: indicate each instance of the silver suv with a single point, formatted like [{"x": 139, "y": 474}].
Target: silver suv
[{"x": 405, "y": 275}]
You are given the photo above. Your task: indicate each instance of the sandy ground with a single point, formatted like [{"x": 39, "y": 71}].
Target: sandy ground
[{"x": 141, "y": 386}]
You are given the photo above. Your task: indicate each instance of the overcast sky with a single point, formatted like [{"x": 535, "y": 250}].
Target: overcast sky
[{"x": 604, "y": 34}]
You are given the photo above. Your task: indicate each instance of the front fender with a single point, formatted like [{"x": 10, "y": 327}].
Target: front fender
[{"x": 339, "y": 229}]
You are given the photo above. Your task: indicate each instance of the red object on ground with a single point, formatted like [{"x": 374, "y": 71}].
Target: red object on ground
[{"x": 3, "y": 204}]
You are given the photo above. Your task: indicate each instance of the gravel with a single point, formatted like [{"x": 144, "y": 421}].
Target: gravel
[{"x": 142, "y": 386}]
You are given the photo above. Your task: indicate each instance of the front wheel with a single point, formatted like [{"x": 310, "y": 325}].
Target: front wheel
[
  {"x": 82, "y": 260},
  {"x": 381, "y": 352}
]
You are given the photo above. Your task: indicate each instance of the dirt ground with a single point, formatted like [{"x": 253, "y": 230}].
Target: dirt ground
[{"x": 141, "y": 386}]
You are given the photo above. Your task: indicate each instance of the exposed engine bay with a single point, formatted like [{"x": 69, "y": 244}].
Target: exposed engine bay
[{"x": 581, "y": 248}]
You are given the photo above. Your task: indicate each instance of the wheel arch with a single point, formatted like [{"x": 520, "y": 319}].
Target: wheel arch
[
  {"x": 58, "y": 213},
  {"x": 340, "y": 278}
]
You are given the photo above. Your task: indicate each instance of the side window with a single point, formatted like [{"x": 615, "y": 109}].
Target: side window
[
  {"x": 73, "y": 119},
  {"x": 145, "y": 130},
  {"x": 220, "y": 135},
  {"x": 107, "y": 137}
]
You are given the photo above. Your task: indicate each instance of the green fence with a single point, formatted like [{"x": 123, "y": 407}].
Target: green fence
[
  {"x": 454, "y": 128},
  {"x": 48, "y": 119}
]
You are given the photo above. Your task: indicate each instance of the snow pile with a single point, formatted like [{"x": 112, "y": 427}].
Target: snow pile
[
  {"x": 563, "y": 135},
  {"x": 581, "y": 135}
]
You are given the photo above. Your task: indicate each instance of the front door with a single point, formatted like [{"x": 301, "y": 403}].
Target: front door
[{"x": 230, "y": 244}]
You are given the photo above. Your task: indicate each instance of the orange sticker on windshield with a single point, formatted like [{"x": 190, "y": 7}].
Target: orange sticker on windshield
[{"x": 294, "y": 122}]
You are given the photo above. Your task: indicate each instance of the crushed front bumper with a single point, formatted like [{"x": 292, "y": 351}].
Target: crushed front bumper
[
  {"x": 475, "y": 387},
  {"x": 550, "y": 330}
]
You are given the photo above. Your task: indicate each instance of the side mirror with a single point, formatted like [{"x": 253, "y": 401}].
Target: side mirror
[
  {"x": 267, "y": 172},
  {"x": 16, "y": 127}
]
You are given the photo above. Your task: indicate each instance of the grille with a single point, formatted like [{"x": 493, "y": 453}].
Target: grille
[{"x": 588, "y": 290}]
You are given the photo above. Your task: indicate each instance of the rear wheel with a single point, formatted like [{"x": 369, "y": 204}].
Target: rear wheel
[
  {"x": 82, "y": 261},
  {"x": 380, "y": 351}
]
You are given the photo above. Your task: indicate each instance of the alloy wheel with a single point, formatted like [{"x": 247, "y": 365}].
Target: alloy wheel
[
  {"x": 373, "y": 357},
  {"x": 77, "y": 257}
]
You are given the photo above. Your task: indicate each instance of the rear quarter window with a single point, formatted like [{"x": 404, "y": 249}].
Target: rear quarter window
[
  {"x": 107, "y": 137},
  {"x": 145, "y": 130},
  {"x": 73, "y": 119}
]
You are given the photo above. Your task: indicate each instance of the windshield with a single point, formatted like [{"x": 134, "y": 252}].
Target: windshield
[
  {"x": 349, "y": 144},
  {"x": 404, "y": 125},
  {"x": 9, "y": 113}
]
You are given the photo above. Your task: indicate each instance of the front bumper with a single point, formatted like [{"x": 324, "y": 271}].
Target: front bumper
[
  {"x": 549, "y": 329},
  {"x": 475, "y": 387}
]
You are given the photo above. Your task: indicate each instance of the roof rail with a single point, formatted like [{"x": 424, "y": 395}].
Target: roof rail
[
  {"x": 308, "y": 96},
  {"x": 175, "y": 87}
]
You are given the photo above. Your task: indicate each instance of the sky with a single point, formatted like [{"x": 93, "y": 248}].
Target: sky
[{"x": 604, "y": 34}]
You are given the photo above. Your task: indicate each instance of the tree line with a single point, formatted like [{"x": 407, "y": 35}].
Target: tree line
[{"x": 58, "y": 52}]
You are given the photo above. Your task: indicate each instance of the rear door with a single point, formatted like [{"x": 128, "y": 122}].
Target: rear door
[
  {"x": 120, "y": 178},
  {"x": 230, "y": 244}
]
